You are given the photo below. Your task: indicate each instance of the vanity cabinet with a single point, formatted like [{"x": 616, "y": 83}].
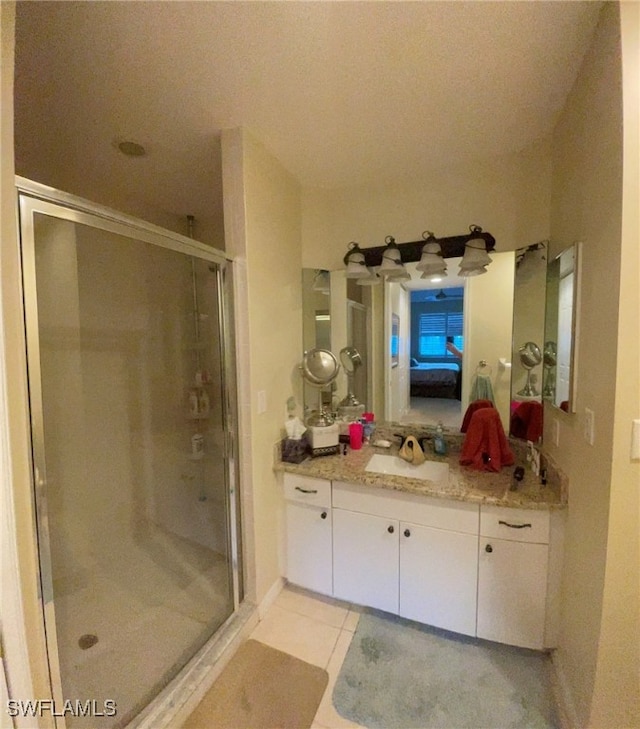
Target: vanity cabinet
[
  {"x": 309, "y": 533},
  {"x": 513, "y": 576},
  {"x": 480, "y": 570},
  {"x": 407, "y": 555}
]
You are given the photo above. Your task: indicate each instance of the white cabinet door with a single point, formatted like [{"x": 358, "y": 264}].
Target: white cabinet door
[
  {"x": 309, "y": 553},
  {"x": 438, "y": 577},
  {"x": 512, "y": 590},
  {"x": 365, "y": 559}
]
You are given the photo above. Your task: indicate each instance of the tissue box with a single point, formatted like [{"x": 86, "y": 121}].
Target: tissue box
[{"x": 294, "y": 451}]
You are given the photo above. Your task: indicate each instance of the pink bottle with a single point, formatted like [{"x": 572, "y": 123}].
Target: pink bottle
[{"x": 355, "y": 436}]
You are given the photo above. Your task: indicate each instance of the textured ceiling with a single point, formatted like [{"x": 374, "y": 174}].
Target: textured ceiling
[{"x": 341, "y": 92}]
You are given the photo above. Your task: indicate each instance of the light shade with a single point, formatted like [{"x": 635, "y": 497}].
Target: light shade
[
  {"x": 392, "y": 265},
  {"x": 400, "y": 275},
  {"x": 435, "y": 275},
  {"x": 475, "y": 259},
  {"x": 371, "y": 280},
  {"x": 466, "y": 272},
  {"x": 431, "y": 263},
  {"x": 356, "y": 267},
  {"x": 322, "y": 282}
]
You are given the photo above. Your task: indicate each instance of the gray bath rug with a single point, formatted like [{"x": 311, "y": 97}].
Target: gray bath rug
[{"x": 402, "y": 675}]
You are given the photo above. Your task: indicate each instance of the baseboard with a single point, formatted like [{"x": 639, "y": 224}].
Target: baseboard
[
  {"x": 562, "y": 694},
  {"x": 268, "y": 600}
]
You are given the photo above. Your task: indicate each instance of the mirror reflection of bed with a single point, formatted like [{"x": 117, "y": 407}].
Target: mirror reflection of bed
[{"x": 436, "y": 346}]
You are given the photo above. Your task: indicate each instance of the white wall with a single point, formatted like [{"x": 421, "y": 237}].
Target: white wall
[
  {"x": 262, "y": 225},
  {"x": 598, "y": 650},
  {"x": 616, "y": 696},
  {"x": 508, "y": 196}
]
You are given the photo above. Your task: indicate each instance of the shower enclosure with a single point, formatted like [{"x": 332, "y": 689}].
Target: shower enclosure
[{"x": 132, "y": 410}]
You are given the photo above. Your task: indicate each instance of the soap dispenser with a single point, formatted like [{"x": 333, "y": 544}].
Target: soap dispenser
[{"x": 439, "y": 443}]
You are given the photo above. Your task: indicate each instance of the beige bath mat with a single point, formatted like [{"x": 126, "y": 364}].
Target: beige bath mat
[{"x": 261, "y": 688}]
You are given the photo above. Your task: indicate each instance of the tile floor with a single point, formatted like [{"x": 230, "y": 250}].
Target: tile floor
[
  {"x": 431, "y": 410},
  {"x": 317, "y": 630}
]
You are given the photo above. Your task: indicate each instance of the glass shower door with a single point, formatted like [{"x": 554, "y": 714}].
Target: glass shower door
[{"x": 130, "y": 412}]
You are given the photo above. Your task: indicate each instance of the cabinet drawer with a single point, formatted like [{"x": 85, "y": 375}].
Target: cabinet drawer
[
  {"x": 307, "y": 490},
  {"x": 457, "y": 516},
  {"x": 517, "y": 525}
]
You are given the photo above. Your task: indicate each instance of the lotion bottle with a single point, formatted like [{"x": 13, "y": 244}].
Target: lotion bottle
[{"x": 439, "y": 443}]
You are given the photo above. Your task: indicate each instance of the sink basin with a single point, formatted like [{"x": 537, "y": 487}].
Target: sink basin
[{"x": 395, "y": 466}]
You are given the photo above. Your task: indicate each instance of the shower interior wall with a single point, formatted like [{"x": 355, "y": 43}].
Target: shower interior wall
[{"x": 167, "y": 489}]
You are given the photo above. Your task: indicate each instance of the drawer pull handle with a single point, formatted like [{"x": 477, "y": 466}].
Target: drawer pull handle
[
  {"x": 323, "y": 515},
  {"x": 390, "y": 530},
  {"x": 514, "y": 526},
  {"x": 306, "y": 491}
]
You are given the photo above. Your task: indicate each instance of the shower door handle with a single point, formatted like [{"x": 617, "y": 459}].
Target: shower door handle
[
  {"x": 230, "y": 445},
  {"x": 45, "y": 583},
  {"x": 40, "y": 481}
]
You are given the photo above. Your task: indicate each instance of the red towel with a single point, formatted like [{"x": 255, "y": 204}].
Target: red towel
[
  {"x": 475, "y": 405},
  {"x": 526, "y": 421},
  {"x": 485, "y": 446}
]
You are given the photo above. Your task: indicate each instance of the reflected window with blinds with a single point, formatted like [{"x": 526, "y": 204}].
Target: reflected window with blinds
[{"x": 435, "y": 329}]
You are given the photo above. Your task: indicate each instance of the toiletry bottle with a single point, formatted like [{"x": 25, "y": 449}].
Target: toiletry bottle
[
  {"x": 203, "y": 402},
  {"x": 369, "y": 426},
  {"x": 197, "y": 445},
  {"x": 439, "y": 443},
  {"x": 193, "y": 402}
]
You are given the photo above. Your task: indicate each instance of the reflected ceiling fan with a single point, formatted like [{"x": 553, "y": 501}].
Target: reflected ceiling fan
[{"x": 442, "y": 294}]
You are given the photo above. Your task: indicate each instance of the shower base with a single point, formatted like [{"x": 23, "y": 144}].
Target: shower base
[{"x": 155, "y": 603}]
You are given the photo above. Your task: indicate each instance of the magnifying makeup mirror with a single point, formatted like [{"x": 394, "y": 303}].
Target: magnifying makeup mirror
[
  {"x": 319, "y": 368},
  {"x": 530, "y": 357},
  {"x": 351, "y": 360}
]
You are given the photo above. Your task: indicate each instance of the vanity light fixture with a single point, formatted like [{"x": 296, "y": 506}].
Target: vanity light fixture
[
  {"x": 475, "y": 259},
  {"x": 430, "y": 252},
  {"x": 392, "y": 266},
  {"x": 356, "y": 267}
]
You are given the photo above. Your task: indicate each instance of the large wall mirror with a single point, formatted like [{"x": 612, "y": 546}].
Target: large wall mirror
[
  {"x": 561, "y": 329},
  {"x": 527, "y": 365},
  {"x": 336, "y": 315},
  {"x": 455, "y": 343},
  {"x": 428, "y": 349}
]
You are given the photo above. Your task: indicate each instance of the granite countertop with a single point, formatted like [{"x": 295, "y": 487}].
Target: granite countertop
[{"x": 465, "y": 484}]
